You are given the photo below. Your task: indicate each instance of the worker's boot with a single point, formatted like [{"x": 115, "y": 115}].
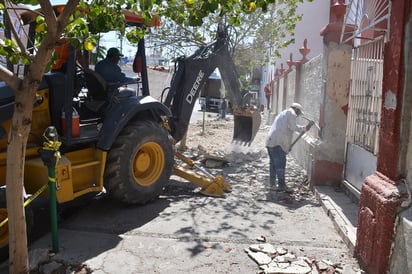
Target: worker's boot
[{"x": 281, "y": 181}]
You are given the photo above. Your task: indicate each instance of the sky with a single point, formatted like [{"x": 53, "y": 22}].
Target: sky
[
  {"x": 109, "y": 39},
  {"x": 54, "y": 2}
]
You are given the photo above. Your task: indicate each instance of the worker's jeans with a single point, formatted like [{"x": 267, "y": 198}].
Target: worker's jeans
[
  {"x": 277, "y": 165},
  {"x": 223, "y": 114}
]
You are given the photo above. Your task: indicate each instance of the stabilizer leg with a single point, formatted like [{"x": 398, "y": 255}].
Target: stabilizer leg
[{"x": 210, "y": 185}]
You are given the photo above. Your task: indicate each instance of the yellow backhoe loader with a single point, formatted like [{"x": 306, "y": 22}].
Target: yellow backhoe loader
[{"x": 124, "y": 145}]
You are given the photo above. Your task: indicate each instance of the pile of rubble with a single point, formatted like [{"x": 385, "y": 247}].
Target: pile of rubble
[
  {"x": 42, "y": 262},
  {"x": 279, "y": 260}
]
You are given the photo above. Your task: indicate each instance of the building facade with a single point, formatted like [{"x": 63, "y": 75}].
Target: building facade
[{"x": 358, "y": 91}]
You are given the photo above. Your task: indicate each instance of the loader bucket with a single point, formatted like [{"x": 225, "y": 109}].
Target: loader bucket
[{"x": 246, "y": 126}]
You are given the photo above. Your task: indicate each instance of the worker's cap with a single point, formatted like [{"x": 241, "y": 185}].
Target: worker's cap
[
  {"x": 297, "y": 106},
  {"x": 113, "y": 52}
]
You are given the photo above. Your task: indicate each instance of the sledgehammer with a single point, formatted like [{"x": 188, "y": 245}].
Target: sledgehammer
[{"x": 310, "y": 124}]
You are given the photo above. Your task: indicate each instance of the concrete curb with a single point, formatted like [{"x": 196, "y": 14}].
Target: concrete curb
[{"x": 342, "y": 211}]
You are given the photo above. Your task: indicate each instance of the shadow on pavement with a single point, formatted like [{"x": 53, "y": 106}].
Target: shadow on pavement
[{"x": 106, "y": 215}]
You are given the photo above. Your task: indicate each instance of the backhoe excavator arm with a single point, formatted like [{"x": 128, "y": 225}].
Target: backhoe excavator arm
[{"x": 192, "y": 72}]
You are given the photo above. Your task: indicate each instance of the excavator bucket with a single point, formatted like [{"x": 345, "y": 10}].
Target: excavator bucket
[{"x": 247, "y": 123}]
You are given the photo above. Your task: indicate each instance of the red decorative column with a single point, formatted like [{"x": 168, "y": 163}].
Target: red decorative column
[
  {"x": 276, "y": 80},
  {"x": 381, "y": 194},
  {"x": 290, "y": 63},
  {"x": 273, "y": 98},
  {"x": 282, "y": 72},
  {"x": 298, "y": 64},
  {"x": 332, "y": 32},
  {"x": 304, "y": 51},
  {"x": 330, "y": 154}
]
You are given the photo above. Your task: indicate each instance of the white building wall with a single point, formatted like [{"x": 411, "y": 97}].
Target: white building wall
[
  {"x": 291, "y": 88},
  {"x": 311, "y": 87},
  {"x": 315, "y": 16},
  {"x": 281, "y": 97}
]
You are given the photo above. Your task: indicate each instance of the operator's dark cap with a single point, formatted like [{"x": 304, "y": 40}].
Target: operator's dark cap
[{"x": 113, "y": 52}]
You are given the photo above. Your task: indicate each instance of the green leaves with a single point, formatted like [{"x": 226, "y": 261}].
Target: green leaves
[
  {"x": 9, "y": 48},
  {"x": 134, "y": 35},
  {"x": 105, "y": 18},
  {"x": 146, "y": 5},
  {"x": 260, "y": 24}
]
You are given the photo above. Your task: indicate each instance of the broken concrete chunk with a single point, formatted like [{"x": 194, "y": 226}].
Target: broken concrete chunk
[
  {"x": 283, "y": 265},
  {"x": 218, "y": 156},
  {"x": 300, "y": 262},
  {"x": 281, "y": 259},
  {"x": 286, "y": 269},
  {"x": 201, "y": 149},
  {"x": 38, "y": 256},
  {"x": 259, "y": 257},
  {"x": 327, "y": 262},
  {"x": 281, "y": 250},
  {"x": 232, "y": 175},
  {"x": 51, "y": 267},
  {"x": 290, "y": 257},
  {"x": 237, "y": 160},
  {"x": 265, "y": 247},
  {"x": 261, "y": 238},
  {"x": 287, "y": 258},
  {"x": 210, "y": 163},
  {"x": 322, "y": 266}
]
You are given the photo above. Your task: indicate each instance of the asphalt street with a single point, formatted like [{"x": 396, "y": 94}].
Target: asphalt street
[{"x": 185, "y": 232}]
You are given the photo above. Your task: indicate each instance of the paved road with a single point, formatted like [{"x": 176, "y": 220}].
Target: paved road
[{"x": 185, "y": 232}]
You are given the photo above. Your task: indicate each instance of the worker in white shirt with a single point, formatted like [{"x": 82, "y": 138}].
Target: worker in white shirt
[{"x": 278, "y": 142}]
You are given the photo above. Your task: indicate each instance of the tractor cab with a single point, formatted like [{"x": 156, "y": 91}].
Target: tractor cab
[{"x": 78, "y": 96}]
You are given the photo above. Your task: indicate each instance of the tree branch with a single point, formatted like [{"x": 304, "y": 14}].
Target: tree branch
[
  {"x": 64, "y": 17},
  {"x": 16, "y": 36},
  {"x": 49, "y": 16},
  {"x": 11, "y": 79}
]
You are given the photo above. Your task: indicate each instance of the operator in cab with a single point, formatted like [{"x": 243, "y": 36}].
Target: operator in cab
[{"x": 109, "y": 69}]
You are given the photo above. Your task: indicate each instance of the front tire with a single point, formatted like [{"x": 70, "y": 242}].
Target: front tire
[{"x": 140, "y": 163}]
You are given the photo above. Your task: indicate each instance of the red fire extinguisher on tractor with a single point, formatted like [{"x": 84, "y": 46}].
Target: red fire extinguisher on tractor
[{"x": 75, "y": 123}]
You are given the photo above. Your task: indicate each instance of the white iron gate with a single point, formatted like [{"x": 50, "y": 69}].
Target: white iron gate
[{"x": 371, "y": 18}]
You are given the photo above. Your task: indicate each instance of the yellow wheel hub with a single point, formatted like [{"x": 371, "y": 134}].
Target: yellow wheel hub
[
  {"x": 148, "y": 163},
  {"x": 4, "y": 230}
]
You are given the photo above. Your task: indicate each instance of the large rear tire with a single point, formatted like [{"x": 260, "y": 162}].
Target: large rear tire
[
  {"x": 140, "y": 163},
  {"x": 4, "y": 230}
]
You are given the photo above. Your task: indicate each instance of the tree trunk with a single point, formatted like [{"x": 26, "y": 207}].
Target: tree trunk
[
  {"x": 20, "y": 128},
  {"x": 25, "y": 91}
]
